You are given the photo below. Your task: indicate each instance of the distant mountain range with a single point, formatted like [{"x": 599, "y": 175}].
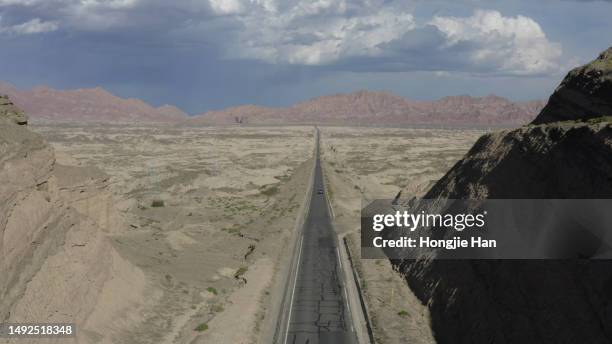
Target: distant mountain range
[
  {"x": 89, "y": 104},
  {"x": 362, "y": 107}
]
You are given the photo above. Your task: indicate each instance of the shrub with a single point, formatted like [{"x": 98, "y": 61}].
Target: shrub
[
  {"x": 201, "y": 328},
  {"x": 241, "y": 271},
  {"x": 270, "y": 191},
  {"x": 157, "y": 203},
  {"x": 217, "y": 308}
]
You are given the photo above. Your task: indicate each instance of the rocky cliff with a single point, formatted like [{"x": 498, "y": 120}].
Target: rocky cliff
[
  {"x": 547, "y": 301},
  {"x": 56, "y": 260},
  {"x": 585, "y": 93},
  {"x": 10, "y": 112}
]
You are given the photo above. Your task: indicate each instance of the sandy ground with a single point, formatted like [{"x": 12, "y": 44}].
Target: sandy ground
[
  {"x": 363, "y": 164},
  {"x": 209, "y": 211}
]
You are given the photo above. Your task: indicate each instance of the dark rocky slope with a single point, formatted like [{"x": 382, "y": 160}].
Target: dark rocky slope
[
  {"x": 585, "y": 93},
  {"x": 569, "y": 301}
]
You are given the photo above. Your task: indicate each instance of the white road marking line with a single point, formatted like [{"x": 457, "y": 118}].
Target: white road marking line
[
  {"x": 330, "y": 209},
  {"x": 348, "y": 303},
  {"x": 297, "y": 270}
]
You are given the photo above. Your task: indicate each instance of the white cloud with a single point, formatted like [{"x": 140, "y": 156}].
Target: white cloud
[
  {"x": 86, "y": 15},
  {"x": 30, "y": 27},
  {"x": 515, "y": 45},
  {"x": 226, "y": 6},
  {"x": 34, "y": 26},
  {"x": 19, "y": 2},
  {"x": 315, "y": 32},
  {"x": 327, "y": 31},
  {"x": 376, "y": 34},
  {"x": 109, "y": 4}
]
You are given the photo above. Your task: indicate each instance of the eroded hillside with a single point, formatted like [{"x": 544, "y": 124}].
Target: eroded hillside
[{"x": 56, "y": 260}]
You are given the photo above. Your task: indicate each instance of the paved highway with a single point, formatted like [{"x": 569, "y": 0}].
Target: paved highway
[{"x": 318, "y": 311}]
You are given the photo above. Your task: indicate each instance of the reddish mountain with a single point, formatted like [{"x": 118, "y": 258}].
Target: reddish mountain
[
  {"x": 365, "y": 107},
  {"x": 362, "y": 107},
  {"x": 91, "y": 104}
]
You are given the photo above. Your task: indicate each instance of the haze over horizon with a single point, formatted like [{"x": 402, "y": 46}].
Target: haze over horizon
[{"x": 219, "y": 53}]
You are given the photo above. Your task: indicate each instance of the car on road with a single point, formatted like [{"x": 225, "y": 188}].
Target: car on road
[{"x": 320, "y": 191}]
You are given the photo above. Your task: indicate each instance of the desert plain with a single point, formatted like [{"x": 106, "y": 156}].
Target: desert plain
[
  {"x": 209, "y": 211},
  {"x": 363, "y": 164}
]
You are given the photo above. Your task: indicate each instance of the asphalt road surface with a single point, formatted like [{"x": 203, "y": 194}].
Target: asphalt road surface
[{"x": 318, "y": 310}]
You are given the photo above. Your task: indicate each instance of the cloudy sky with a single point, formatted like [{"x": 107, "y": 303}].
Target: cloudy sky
[{"x": 209, "y": 54}]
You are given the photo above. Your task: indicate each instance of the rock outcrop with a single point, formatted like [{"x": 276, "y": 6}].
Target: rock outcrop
[
  {"x": 56, "y": 259},
  {"x": 558, "y": 160},
  {"x": 544, "y": 301},
  {"x": 8, "y": 111},
  {"x": 585, "y": 93}
]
